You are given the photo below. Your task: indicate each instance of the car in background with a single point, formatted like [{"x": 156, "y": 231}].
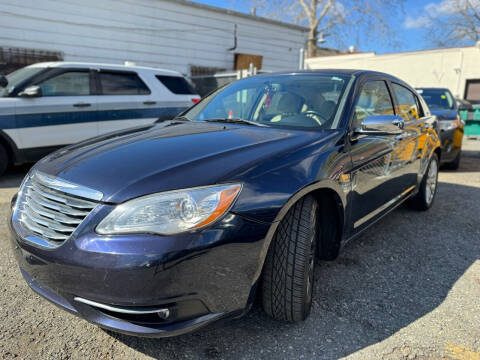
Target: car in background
[
  {"x": 49, "y": 105},
  {"x": 160, "y": 231},
  {"x": 463, "y": 105},
  {"x": 450, "y": 124}
]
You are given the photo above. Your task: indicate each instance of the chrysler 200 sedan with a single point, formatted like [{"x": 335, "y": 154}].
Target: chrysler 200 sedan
[{"x": 160, "y": 230}]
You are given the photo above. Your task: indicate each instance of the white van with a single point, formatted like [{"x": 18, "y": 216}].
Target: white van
[{"x": 48, "y": 105}]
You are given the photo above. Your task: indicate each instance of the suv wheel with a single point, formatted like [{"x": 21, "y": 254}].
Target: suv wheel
[
  {"x": 3, "y": 160},
  {"x": 289, "y": 266},
  {"x": 428, "y": 187}
]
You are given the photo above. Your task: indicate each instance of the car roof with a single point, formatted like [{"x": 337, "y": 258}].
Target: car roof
[
  {"x": 356, "y": 72},
  {"x": 352, "y": 72},
  {"x": 70, "y": 64}
]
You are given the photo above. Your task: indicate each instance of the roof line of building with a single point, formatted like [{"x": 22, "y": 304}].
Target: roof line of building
[
  {"x": 419, "y": 51},
  {"x": 238, "y": 13}
]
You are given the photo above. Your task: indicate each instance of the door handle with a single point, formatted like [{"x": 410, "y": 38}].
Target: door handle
[
  {"x": 149, "y": 102},
  {"x": 81, "y": 105}
]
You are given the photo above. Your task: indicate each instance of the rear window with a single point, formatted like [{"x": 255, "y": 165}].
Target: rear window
[
  {"x": 177, "y": 85},
  {"x": 116, "y": 83}
]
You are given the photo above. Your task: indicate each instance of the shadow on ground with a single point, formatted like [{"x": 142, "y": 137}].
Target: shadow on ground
[
  {"x": 14, "y": 176},
  {"x": 398, "y": 271}
]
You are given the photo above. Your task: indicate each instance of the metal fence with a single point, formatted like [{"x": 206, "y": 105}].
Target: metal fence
[
  {"x": 205, "y": 84},
  {"x": 13, "y": 58}
]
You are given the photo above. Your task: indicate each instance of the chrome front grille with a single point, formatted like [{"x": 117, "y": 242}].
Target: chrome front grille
[{"x": 47, "y": 210}]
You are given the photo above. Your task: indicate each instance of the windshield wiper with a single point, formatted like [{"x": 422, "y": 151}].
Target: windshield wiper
[{"x": 235, "y": 121}]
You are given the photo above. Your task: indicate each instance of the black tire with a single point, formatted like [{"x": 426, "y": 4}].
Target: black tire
[
  {"x": 3, "y": 160},
  {"x": 420, "y": 200},
  {"x": 287, "y": 285},
  {"x": 455, "y": 164}
]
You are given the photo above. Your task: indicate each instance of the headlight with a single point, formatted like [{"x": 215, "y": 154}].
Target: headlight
[
  {"x": 448, "y": 124},
  {"x": 170, "y": 212}
]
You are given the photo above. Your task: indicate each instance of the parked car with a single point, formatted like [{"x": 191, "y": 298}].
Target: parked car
[
  {"x": 161, "y": 230},
  {"x": 49, "y": 105},
  {"x": 451, "y": 126},
  {"x": 463, "y": 104}
]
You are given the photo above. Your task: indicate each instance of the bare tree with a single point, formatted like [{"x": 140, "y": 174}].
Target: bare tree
[
  {"x": 330, "y": 17},
  {"x": 453, "y": 22}
]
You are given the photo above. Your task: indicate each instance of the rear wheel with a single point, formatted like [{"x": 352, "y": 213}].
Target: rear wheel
[
  {"x": 287, "y": 285},
  {"x": 3, "y": 160},
  {"x": 428, "y": 187}
]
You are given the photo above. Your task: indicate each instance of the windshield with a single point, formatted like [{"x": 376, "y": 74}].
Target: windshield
[
  {"x": 438, "y": 98},
  {"x": 296, "y": 101},
  {"x": 17, "y": 77}
]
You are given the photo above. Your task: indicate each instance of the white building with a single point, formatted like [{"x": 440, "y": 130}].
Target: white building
[
  {"x": 457, "y": 69},
  {"x": 173, "y": 34}
]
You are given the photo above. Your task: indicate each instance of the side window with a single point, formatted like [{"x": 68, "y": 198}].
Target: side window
[
  {"x": 374, "y": 99},
  {"x": 407, "y": 106},
  {"x": 72, "y": 83},
  {"x": 117, "y": 83},
  {"x": 176, "y": 84}
]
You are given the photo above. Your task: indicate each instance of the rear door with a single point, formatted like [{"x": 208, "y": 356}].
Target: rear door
[
  {"x": 408, "y": 144},
  {"x": 64, "y": 114},
  {"x": 124, "y": 100}
]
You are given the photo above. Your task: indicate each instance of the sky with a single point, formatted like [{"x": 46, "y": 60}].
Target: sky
[{"x": 411, "y": 26}]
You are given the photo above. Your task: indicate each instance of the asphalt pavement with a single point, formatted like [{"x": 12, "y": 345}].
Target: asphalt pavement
[{"x": 409, "y": 288}]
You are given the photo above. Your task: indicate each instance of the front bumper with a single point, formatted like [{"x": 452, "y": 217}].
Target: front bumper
[{"x": 200, "y": 277}]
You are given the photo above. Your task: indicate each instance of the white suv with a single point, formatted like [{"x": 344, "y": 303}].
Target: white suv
[{"x": 49, "y": 105}]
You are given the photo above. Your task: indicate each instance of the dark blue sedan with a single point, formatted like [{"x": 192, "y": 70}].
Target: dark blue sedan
[{"x": 160, "y": 230}]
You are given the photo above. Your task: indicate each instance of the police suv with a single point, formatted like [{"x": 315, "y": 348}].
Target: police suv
[{"x": 48, "y": 105}]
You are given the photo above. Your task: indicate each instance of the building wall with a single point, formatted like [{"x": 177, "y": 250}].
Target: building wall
[
  {"x": 448, "y": 68},
  {"x": 160, "y": 33}
]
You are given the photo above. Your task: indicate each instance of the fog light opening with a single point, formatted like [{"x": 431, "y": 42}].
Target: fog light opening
[{"x": 164, "y": 314}]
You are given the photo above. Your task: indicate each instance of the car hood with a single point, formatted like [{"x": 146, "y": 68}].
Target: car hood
[
  {"x": 441, "y": 114},
  {"x": 170, "y": 155}
]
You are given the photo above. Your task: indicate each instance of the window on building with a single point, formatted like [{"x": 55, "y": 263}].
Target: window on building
[
  {"x": 472, "y": 91},
  {"x": 374, "y": 99},
  {"x": 407, "y": 103},
  {"x": 122, "y": 83},
  {"x": 72, "y": 83},
  {"x": 177, "y": 84}
]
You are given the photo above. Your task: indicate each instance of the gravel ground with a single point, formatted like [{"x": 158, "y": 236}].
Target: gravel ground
[{"x": 408, "y": 288}]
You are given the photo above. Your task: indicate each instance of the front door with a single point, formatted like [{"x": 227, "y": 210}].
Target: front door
[
  {"x": 376, "y": 173},
  {"x": 63, "y": 114}
]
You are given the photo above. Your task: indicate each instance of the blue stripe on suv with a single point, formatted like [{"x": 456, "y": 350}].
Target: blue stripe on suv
[{"x": 74, "y": 117}]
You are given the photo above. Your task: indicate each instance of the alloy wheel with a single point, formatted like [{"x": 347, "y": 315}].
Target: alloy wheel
[{"x": 431, "y": 183}]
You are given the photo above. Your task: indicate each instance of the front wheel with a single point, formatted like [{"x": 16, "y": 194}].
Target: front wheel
[
  {"x": 287, "y": 285},
  {"x": 455, "y": 164},
  {"x": 428, "y": 187}
]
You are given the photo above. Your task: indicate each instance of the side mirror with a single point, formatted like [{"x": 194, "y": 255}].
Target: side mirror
[
  {"x": 381, "y": 125},
  {"x": 31, "y": 92},
  {"x": 464, "y": 106},
  {"x": 3, "y": 81}
]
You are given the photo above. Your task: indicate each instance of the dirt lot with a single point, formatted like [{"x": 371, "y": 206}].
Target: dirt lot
[{"x": 408, "y": 288}]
